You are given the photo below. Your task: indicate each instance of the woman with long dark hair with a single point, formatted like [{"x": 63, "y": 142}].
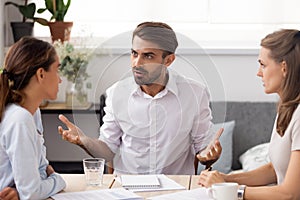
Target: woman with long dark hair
[{"x": 29, "y": 75}]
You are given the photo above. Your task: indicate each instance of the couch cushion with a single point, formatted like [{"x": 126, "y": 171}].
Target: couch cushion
[{"x": 255, "y": 157}]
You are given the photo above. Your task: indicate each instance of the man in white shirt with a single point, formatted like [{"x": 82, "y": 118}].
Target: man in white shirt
[{"x": 157, "y": 121}]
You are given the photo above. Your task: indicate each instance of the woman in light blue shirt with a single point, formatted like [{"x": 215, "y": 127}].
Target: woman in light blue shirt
[{"x": 30, "y": 75}]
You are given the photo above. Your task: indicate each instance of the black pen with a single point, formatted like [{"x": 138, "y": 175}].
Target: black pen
[
  {"x": 111, "y": 184},
  {"x": 208, "y": 167}
]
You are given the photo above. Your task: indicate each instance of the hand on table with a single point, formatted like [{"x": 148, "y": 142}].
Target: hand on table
[{"x": 207, "y": 178}]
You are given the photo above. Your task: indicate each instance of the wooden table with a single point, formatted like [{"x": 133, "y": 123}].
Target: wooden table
[
  {"x": 194, "y": 182},
  {"x": 76, "y": 183}
]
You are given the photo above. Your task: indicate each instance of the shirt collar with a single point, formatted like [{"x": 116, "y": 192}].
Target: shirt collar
[{"x": 171, "y": 86}]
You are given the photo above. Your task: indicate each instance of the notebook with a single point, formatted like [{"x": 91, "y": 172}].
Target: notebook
[{"x": 140, "y": 181}]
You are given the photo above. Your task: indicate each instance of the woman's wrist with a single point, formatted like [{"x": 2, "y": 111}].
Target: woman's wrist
[
  {"x": 241, "y": 192},
  {"x": 225, "y": 177}
]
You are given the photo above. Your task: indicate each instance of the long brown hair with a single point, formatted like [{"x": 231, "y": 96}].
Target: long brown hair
[
  {"x": 284, "y": 45},
  {"x": 21, "y": 62}
]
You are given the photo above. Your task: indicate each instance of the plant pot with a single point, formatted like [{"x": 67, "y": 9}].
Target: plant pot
[
  {"x": 21, "y": 29},
  {"x": 60, "y": 30}
]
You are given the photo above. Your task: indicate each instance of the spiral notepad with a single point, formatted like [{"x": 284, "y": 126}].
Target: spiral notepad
[{"x": 140, "y": 181}]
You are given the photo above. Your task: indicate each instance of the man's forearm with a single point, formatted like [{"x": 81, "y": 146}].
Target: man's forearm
[{"x": 97, "y": 148}]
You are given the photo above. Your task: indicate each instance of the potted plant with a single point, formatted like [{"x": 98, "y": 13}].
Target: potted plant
[
  {"x": 60, "y": 30},
  {"x": 25, "y": 27},
  {"x": 74, "y": 63}
]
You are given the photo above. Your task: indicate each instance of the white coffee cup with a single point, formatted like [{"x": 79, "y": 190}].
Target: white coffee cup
[
  {"x": 223, "y": 191},
  {"x": 93, "y": 169}
]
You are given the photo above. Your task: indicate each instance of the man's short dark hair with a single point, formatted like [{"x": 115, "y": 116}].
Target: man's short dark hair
[{"x": 158, "y": 33}]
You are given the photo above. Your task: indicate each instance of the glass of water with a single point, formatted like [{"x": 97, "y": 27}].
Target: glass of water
[{"x": 93, "y": 170}]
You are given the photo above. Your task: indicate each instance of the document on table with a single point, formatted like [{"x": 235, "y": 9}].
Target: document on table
[
  {"x": 104, "y": 194},
  {"x": 165, "y": 184},
  {"x": 195, "y": 194}
]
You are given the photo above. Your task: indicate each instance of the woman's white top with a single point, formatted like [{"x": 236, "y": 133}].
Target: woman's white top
[{"x": 280, "y": 148}]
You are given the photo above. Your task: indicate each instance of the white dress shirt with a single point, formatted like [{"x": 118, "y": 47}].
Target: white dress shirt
[
  {"x": 23, "y": 160},
  {"x": 160, "y": 134}
]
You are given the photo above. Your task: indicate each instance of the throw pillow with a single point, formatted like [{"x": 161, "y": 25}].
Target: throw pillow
[
  {"x": 224, "y": 163},
  {"x": 255, "y": 157}
]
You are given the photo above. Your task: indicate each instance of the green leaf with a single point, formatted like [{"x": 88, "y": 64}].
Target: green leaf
[
  {"x": 61, "y": 9},
  {"x": 41, "y": 21},
  {"x": 28, "y": 11},
  {"x": 41, "y": 10}
]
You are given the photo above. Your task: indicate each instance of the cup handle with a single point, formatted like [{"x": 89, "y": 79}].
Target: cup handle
[{"x": 210, "y": 193}]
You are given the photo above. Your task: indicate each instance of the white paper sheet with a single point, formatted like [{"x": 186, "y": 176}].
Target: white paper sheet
[
  {"x": 195, "y": 194},
  {"x": 104, "y": 194}
]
